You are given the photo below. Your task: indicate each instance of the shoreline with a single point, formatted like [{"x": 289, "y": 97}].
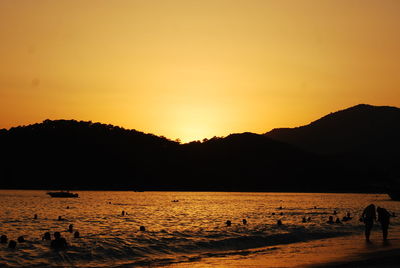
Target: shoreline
[{"x": 344, "y": 251}]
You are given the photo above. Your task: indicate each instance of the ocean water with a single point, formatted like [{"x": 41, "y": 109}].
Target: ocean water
[{"x": 176, "y": 232}]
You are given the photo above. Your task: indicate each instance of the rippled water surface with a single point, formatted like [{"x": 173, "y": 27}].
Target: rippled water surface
[{"x": 183, "y": 231}]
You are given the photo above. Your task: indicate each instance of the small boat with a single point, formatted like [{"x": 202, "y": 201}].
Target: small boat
[{"x": 62, "y": 194}]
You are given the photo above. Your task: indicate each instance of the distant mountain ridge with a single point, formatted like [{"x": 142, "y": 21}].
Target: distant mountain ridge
[
  {"x": 69, "y": 154},
  {"x": 344, "y": 151},
  {"x": 359, "y": 129}
]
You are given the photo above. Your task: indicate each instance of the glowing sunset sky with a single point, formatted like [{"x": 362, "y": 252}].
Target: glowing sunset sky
[{"x": 194, "y": 69}]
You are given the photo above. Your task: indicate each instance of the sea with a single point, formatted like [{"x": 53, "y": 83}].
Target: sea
[{"x": 180, "y": 227}]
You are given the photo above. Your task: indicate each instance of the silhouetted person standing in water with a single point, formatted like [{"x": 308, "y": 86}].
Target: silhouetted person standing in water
[
  {"x": 384, "y": 219},
  {"x": 368, "y": 217}
]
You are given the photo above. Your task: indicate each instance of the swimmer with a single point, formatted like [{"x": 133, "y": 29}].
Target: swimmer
[{"x": 59, "y": 243}]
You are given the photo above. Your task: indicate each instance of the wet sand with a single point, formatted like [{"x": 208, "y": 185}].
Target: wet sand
[
  {"x": 388, "y": 258},
  {"x": 348, "y": 251},
  {"x": 374, "y": 254}
]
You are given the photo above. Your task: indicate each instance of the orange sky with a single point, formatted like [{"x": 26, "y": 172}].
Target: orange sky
[{"x": 193, "y": 69}]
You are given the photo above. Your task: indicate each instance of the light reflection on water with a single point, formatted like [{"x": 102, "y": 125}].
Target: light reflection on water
[{"x": 175, "y": 231}]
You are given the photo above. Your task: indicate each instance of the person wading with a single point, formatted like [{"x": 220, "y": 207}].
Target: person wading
[
  {"x": 368, "y": 217},
  {"x": 384, "y": 219}
]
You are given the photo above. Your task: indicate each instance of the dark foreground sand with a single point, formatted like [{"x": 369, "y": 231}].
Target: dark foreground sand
[
  {"x": 374, "y": 254},
  {"x": 349, "y": 251},
  {"x": 388, "y": 258}
]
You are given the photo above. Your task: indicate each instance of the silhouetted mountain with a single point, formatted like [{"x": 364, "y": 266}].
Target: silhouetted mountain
[
  {"x": 360, "y": 133},
  {"x": 67, "y": 154},
  {"x": 71, "y": 154},
  {"x": 362, "y": 128},
  {"x": 248, "y": 161}
]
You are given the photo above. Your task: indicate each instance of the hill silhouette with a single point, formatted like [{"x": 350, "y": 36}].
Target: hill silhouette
[
  {"x": 362, "y": 128},
  {"x": 68, "y": 154},
  {"x": 71, "y": 154},
  {"x": 364, "y": 134},
  {"x": 339, "y": 152},
  {"x": 250, "y": 162}
]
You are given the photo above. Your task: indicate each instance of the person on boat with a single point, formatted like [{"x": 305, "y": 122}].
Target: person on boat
[
  {"x": 59, "y": 243},
  {"x": 368, "y": 217},
  {"x": 71, "y": 228},
  {"x": 338, "y": 221},
  {"x": 384, "y": 219},
  {"x": 330, "y": 221}
]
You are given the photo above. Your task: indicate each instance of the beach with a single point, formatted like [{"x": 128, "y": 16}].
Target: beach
[
  {"x": 389, "y": 258},
  {"x": 348, "y": 251}
]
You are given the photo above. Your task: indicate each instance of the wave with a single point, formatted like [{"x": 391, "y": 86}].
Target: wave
[
  {"x": 156, "y": 248},
  {"x": 187, "y": 250}
]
